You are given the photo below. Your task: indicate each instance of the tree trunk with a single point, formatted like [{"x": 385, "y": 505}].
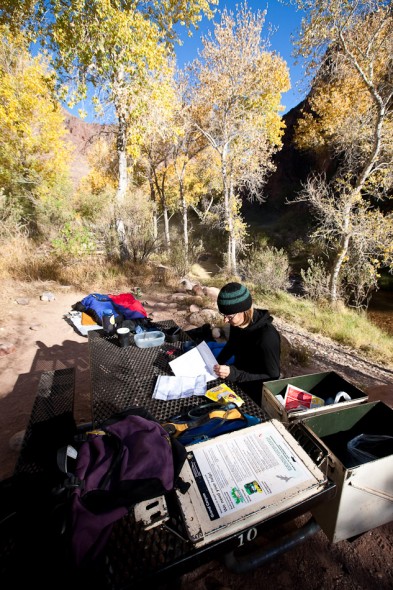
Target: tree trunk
[
  {"x": 227, "y": 210},
  {"x": 346, "y": 235},
  {"x": 335, "y": 274},
  {"x": 155, "y": 215},
  {"x": 232, "y": 232},
  {"x": 366, "y": 170},
  {"x": 155, "y": 224},
  {"x": 356, "y": 194},
  {"x": 122, "y": 185},
  {"x": 166, "y": 226},
  {"x": 185, "y": 218}
]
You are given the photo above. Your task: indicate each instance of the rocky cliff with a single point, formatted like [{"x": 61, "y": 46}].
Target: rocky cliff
[{"x": 81, "y": 136}]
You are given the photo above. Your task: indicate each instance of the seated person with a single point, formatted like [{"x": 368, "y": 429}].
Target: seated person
[{"x": 253, "y": 341}]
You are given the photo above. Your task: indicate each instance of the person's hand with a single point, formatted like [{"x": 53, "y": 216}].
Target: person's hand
[{"x": 221, "y": 371}]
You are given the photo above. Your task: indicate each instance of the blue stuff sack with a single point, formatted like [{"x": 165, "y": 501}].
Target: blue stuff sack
[{"x": 208, "y": 421}]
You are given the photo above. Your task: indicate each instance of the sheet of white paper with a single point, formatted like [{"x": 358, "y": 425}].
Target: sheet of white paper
[
  {"x": 197, "y": 361},
  {"x": 171, "y": 387}
]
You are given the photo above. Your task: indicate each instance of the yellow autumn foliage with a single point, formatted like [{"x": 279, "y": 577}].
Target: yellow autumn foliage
[{"x": 34, "y": 155}]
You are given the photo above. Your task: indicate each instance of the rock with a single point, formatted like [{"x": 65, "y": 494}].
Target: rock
[
  {"x": 196, "y": 319},
  {"x": 194, "y": 308},
  {"x": 7, "y": 348},
  {"x": 178, "y": 297},
  {"x": 35, "y": 327},
  {"x": 197, "y": 290},
  {"x": 211, "y": 292},
  {"x": 23, "y": 301},
  {"x": 16, "y": 440},
  {"x": 47, "y": 296},
  {"x": 196, "y": 300},
  {"x": 187, "y": 284},
  {"x": 163, "y": 272},
  {"x": 160, "y": 305},
  {"x": 203, "y": 316},
  {"x": 216, "y": 333}
]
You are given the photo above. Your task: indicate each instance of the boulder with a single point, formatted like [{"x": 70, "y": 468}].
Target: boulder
[
  {"x": 160, "y": 305},
  {"x": 187, "y": 284},
  {"x": 198, "y": 290},
  {"x": 211, "y": 292},
  {"x": 203, "y": 316},
  {"x": 178, "y": 297},
  {"x": 216, "y": 333}
]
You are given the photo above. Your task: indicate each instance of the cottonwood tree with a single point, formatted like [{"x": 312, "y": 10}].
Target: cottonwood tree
[
  {"x": 236, "y": 104},
  {"x": 188, "y": 145},
  {"x": 169, "y": 143},
  {"x": 350, "y": 47},
  {"x": 34, "y": 152},
  {"x": 159, "y": 129},
  {"x": 371, "y": 236},
  {"x": 197, "y": 174},
  {"x": 109, "y": 47}
]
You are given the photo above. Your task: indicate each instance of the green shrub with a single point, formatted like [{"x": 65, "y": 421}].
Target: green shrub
[
  {"x": 74, "y": 240},
  {"x": 267, "y": 268},
  {"x": 315, "y": 280}
]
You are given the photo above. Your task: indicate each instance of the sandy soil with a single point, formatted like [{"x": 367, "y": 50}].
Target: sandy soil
[{"x": 42, "y": 340}]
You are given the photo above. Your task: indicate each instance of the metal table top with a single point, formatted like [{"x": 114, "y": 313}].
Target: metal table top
[{"x": 124, "y": 377}]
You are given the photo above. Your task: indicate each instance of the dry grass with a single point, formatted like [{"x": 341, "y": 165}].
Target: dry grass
[
  {"x": 22, "y": 262},
  {"x": 345, "y": 326},
  {"x": 26, "y": 267}
]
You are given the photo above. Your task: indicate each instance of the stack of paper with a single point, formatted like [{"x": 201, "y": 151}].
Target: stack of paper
[
  {"x": 197, "y": 361},
  {"x": 191, "y": 372},
  {"x": 171, "y": 387}
]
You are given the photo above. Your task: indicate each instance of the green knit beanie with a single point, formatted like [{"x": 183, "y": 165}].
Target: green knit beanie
[{"x": 234, "y": 298}]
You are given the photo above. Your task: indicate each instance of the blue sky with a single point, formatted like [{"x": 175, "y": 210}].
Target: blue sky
[{"x": 286, "y": 22}]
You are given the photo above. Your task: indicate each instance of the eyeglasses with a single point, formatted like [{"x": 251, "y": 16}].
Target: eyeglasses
[{"x": 228, "y": 317}]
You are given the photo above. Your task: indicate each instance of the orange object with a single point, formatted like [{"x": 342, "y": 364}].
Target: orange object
[{"x": 87, "y": 320}]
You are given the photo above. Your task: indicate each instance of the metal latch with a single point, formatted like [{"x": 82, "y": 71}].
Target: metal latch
[{"x": 152, "y": 513}]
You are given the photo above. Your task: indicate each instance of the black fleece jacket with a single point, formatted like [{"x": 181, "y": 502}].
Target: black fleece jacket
[{"x": 256, "y": 349}]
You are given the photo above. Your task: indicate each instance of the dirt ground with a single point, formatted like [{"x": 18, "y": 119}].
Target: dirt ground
[{"x": 38, "y": 339}]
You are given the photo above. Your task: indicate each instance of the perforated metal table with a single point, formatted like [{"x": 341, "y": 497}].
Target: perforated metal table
[
  {"x": 123, "y": 377},
  {"x": 135, "y": 557}
]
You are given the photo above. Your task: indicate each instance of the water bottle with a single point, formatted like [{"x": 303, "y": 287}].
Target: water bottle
[{"x": 108, "y": 321}]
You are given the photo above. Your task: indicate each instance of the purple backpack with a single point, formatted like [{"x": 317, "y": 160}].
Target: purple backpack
[{"x": 128, "y": 459}]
